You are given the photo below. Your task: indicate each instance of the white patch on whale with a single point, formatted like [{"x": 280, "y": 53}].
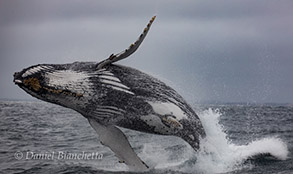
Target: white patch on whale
[
  {"x": 35, "y": 70},
  {"x": 167, "y": 108},
  {"x": 114, "y": 83},
  {"x": 32, "y": 71},
  {"x": 121, "y": 89},
  {"x": 78, "y": 82},
  {"x": 102, "y": 112},
  {"x": 156, "y": 122},
  {"x": 110, "y": 80},
  {"x": 108, "y": 77}
]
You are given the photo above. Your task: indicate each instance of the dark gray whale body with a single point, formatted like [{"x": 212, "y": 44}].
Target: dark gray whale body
[{"x": 111, "y": 95}]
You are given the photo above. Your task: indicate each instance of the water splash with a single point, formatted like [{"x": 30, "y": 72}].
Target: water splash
[{"x": 218, "y": 154}]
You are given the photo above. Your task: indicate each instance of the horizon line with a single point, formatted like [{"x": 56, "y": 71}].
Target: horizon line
[{"x": 200, "y": 102}]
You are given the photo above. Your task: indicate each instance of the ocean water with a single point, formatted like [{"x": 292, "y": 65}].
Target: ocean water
[{"x": 38, "y": 137}]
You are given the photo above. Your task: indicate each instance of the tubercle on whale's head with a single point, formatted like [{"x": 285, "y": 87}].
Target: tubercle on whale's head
[{"x": 60, "y": 83}]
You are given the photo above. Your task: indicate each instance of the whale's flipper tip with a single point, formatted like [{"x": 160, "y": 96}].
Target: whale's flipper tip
[
  {"x": 131, "y": 49},
  {"x": 115, "y": 139}
]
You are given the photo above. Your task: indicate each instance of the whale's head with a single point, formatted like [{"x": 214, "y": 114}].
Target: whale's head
[{"x": 64, "y": 84}]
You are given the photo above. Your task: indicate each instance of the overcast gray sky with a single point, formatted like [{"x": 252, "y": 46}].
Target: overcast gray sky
[{"x": 224, "y": 50}]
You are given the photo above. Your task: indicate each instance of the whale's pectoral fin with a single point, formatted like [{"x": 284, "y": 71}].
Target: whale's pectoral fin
[
  {"x": 131, "y": 49},
  {"x": 115, "y": 139}
]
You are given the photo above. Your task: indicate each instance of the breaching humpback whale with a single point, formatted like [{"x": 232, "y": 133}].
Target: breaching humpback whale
[{"x": 112, "y": 96}]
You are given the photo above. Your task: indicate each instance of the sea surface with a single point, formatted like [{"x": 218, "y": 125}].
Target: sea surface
[{"x": 38, "y": 137}]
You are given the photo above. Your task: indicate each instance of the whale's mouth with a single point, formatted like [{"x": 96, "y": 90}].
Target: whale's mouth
[
  {"x": 16, "y": 79},
  {"x": 17, "y": 82}
]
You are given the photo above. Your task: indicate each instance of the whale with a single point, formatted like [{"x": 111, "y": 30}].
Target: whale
[{"x": 111, "y": 96}]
